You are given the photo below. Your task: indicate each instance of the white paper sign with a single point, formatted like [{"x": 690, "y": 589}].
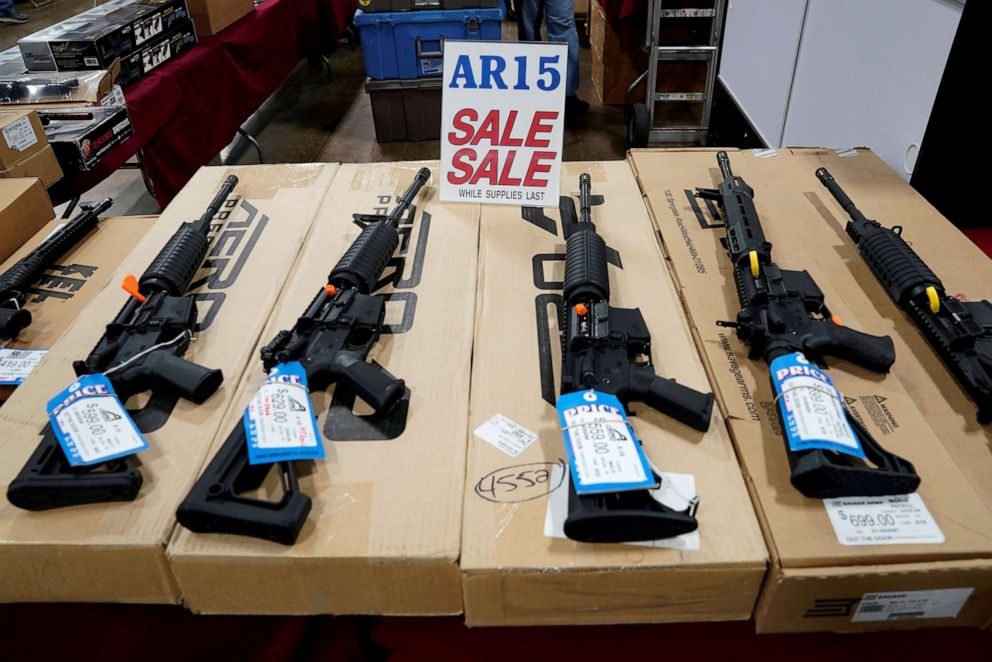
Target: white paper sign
[
  {"x": 506, "y": 435},
  {"x": 911, "y": 605},
  {"x": 17, "y": 364},
  {"x": 20, "y": 135},
  {"x": 675, "y": 492},
  {"x": 887, "y": 520},
  {"x": 502, "y": 122}
]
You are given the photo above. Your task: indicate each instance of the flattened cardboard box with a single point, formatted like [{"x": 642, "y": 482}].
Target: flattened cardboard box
[
  {"x": 512, "y": 573},
  {"x": 815, "y": 583},
  {"x": 65, "y": 289},
  {"x": 383, "y": 535},
  {"x": 116, "y": 552}
]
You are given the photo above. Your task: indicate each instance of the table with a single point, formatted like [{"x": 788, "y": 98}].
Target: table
[{"x": 189, "y": 109}]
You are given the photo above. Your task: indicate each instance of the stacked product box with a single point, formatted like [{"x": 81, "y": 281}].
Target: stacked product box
[
  {"x": 403, "y": 50},
  {"x": 142, "y": 34}
]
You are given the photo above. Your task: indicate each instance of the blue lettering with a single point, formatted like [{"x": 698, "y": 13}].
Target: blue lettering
[
  {"x": 463, "y": 70},
  {"x": 492, "y": 71},
  {"x": 521, "y": 73}
]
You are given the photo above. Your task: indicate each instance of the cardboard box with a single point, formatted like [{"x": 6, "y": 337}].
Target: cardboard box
[
  {"x": 24, "y": 209},
  {"x": 21, "y": 135},
  {"x": 81, "y": 136},
  {"x": 383, "y": 535},
  {"x": 46, "y": 89},
  {"x": 115, "y": 552},
  {"x": 43, "y": 165},
  {"x": 513, "y": 574},
  {"x": 212, "y": 16},
  {"x": 58, "y": 296},
  {"x": 98, "y": 36},
  {"x": 815, "y": 582}
]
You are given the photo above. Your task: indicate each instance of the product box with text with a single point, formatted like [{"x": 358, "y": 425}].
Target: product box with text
[
  {"x": 846, "y": 564},
  {"x": 518, "y": 568},
  {"x": 115, "y": 551},
  {"x": 383, "y": 533}
]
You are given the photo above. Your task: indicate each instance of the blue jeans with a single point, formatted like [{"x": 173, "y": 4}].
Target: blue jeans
[
  {"x": 6, "y": 6},
  {"x": 560, "y": 18}
]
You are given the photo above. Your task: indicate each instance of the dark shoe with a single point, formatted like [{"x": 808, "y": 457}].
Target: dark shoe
[
  {"x": 13, "y": 16},
  {"x": 575, "y": 106}
]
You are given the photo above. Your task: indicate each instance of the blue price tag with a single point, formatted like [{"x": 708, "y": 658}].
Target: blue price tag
[
  {"x": 91, "y": 424},
  {"x": 811, "y": 408},
  {"x": 604, "y": 454},
  {"x": 279, "y": 421}
]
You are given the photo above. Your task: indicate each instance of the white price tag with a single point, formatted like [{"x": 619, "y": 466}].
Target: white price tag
[
  {"x": 279, "y": 421},
  {"x": 91, "y": 424},
  {"x": 676, "y": 492},
  {"x": 889, "y": 520},
  {"x": 17, "y": 364},
  {"x": 114, "y": 98},
  {"x": 911, "y": 605},
  {"x": 506, "y": 435},
  {"x": 20, "y": 135},
  {"x": 603, "y": 452}
]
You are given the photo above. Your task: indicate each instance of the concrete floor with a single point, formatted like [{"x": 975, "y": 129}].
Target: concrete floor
[{"x": 312, "y": 118}]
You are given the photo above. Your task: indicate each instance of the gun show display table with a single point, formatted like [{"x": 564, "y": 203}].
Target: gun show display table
[{"x": 187, "y": 111}]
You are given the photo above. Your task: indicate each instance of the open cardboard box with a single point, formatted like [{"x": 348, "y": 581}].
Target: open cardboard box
[
  {"x": 513, "y": 573},
  {"x": 115, "y": 552},
  {"x": 815, "y": 582},
  {"x": 383, "y": 535},
  {"x": 65, "y": 289}
]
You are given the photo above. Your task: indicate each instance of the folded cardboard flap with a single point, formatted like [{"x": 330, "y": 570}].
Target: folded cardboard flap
[
  {"x": 512, "y": 572},
  {"x": 798, "y": 530},
  {"x": 116, "y": 552},
  {"x": 44, "y": 165},
  {"x": 383, "y": 535}
]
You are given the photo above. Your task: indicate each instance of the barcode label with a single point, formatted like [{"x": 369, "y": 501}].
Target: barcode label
[
  {"x": 911, "y": 605},
  {"x": 506, "y": 435},
  {"x": 20, "y": 135}
]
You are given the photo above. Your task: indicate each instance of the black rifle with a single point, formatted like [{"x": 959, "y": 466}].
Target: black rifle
[
  {"x": 16, "y": 282},
  {"x": 141, "y": 350},
  {"x": 332, "y": 341},
  {"x": 783, "y": 312},
  {"x": 959, "y": 331},
  {"x": 609, "y": 349}
]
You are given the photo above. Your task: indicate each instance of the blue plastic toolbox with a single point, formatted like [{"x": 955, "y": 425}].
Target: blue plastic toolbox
[{"x": 410, "y": 44}]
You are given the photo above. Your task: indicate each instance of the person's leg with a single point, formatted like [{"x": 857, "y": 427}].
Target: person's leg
[
  {"x": 8, "y": 14},
  {"x": 529, "y": 20},
  {"x": 560, "y": 17}
]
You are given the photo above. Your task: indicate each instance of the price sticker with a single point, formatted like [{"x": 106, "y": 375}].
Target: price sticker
[
  {"x": 506, "y": 435},
  {"x": 811, "y": 408},
  {"x": 114, "y": 98},
  {"x": 911, "y": 605},
  {"x": 20, "y": 135},
  {"x": 91, "y": 424},
  {"x": 17, "y": 364},
  {"x": 604, "y": 455},
  {"x": 279, "y": 421},
  {"x": 889, "y": 520}
]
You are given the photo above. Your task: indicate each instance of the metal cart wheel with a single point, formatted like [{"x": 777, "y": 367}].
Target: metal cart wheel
[{"x": 638, "y": 126}]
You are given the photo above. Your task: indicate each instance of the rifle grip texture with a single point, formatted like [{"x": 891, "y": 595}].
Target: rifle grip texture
[
  {"x": 896, "y": 265},
  {"x": 587, "y": 274},
  {"x": 173, "y": 268},
  {"x": 366, "y": 258},
  {"x": 876, "y": 353}
]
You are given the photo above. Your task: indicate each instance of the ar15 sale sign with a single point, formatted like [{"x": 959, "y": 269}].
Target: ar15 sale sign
[{"x": 502, "y": 117}]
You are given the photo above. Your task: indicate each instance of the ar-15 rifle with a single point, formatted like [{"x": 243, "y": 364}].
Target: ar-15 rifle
[
  {"x": 609, "y": 349},
  {"x": 141, "y": 350},
  {"x": 959, "y": 331},
  {"x": 15, "y": 283},
  {"x": 783, "y": 312},
  {"x": 332, "y": 341},
  {"x": 27, "y": 90}
]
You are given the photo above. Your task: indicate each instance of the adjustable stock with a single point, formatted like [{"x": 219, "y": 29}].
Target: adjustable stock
[
  {"x": 624, "y": 517},
  {"x": 215, "y": 504},
  {"x": 48, "y": 481}
]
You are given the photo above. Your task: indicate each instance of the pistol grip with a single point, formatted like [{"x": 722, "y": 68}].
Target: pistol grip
[
  {"x": 667, "y": 396},
  {"x": 370, "y": 381},
  {"x": 184, "y": 378},
  {"x": 876, "y": 353}
]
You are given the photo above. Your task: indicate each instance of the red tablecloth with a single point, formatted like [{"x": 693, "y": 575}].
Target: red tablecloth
[{"x": 185, "y": 112}]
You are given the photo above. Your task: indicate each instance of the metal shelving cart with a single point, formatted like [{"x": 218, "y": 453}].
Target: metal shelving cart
[{"x": 642, "y": 127}]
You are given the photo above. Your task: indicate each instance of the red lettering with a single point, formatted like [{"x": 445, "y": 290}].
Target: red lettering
[
  {"x": 487, "y": 169},
  {"x": 540, "y": 124},
  {"x": 504, "y": 175},
  {"x": 462, "y": 161},
  {"x": 508, "y": 140},
  {"x": 460, "y": 124},
  {"x": 489, "y": 129},
  {"x": 537, "y": 167}
]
